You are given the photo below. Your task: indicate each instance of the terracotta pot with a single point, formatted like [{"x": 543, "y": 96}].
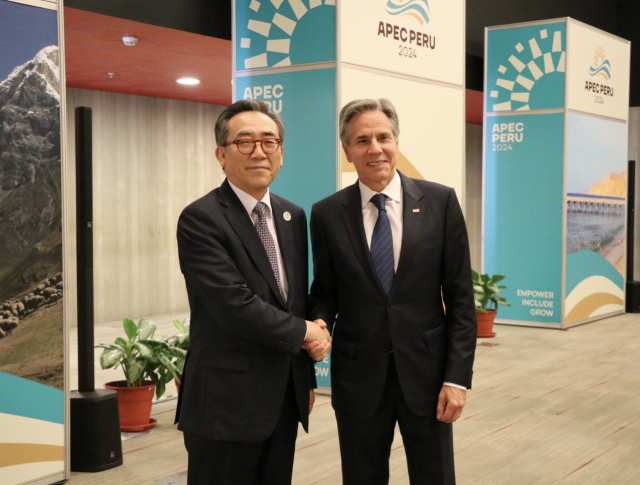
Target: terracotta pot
[
  {"x": 134, "y": 404},
  {"x": 485, "y": 324}
]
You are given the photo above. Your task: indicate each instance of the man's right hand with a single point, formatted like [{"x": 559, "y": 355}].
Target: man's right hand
[{"x": 317, "y": 343}]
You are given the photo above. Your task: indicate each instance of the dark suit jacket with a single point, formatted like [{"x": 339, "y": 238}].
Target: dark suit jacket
[
  {"x": 430, "y": 345},
  {"x": 245, "y": 340}
]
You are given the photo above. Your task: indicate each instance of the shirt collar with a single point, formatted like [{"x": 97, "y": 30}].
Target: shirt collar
[
  {"x": 249, "y": 201},
  {"x": 393, "y": 190}
]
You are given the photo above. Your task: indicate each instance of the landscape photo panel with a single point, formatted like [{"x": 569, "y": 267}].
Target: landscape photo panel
[{"x": 32, "y": 440}]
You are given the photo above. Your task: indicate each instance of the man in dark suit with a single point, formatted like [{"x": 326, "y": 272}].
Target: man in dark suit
[
  {"x": 243, "y": 253},
  {"x": 391, "y": 260}
]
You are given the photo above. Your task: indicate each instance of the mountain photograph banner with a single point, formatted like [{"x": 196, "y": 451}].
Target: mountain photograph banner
[{"x": 32, "y": 439}]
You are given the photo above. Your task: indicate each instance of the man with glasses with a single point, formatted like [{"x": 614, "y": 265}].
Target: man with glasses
[{"x": 243, "y": 253}]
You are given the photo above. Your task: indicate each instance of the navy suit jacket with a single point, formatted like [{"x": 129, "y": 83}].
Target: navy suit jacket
[{"x": 428, "y": 320}]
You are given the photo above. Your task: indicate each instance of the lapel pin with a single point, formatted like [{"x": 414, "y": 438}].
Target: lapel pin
[
  {"x": 286, "y": 216},
  {"x": 416, "y": 210}
]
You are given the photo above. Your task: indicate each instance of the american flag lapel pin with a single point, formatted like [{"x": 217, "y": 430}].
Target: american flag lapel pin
[{"x": 416, "y": 210}]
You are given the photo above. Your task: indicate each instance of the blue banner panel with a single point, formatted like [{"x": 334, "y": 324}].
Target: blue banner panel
[
  {"x": 278, "y": 33},
  {"x": 525, "y": 68},
  {"x": 596, "y": 216},
  {"x": 523, "y": 213},
  {"x": 306, "y": 101}
]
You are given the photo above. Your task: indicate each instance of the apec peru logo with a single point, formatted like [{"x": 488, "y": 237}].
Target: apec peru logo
[
  {"x": 601, "y": 65},
  {"x": 601, "y": 68},
  {"x": 411, "y": 39},
  {"x": 281, "y": 33},
  {"x": 533, "y": 76},
  {"x": 418, "y": 9}
]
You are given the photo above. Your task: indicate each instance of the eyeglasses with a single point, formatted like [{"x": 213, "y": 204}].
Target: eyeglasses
[{"x": 246, "y": 147}]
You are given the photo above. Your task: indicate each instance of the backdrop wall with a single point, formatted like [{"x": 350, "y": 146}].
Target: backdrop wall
[{"x": 151, "y": 158}]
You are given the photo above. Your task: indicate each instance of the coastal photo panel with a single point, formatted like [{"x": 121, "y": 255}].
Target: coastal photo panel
[{"x": 595, "y": 207}]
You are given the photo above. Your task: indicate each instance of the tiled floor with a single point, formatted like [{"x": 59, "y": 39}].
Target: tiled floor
[{"x": 547, "y": 407}]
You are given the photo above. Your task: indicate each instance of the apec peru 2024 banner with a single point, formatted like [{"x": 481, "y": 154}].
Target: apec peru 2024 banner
[
  {"x": 598, "y": 75},
  {"x": 306, "y": 101},
  {"x": 523, "y": 212},
  {"x": 421, "y": 38}
]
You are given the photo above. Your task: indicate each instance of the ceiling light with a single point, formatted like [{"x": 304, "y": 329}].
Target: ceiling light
[
  {"x": 130, "y": 41},
  {"x": 189, "y": 81}
]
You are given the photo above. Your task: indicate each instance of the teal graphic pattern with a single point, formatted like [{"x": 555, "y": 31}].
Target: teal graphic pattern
[
  {"x": 526, "y": 68},
  {"x": 280, "y": 33},
  {"x": 30, "y": 399},
  {"x": 584, "y": 264}
]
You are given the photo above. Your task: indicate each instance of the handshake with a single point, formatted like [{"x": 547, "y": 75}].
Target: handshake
[{"x": 317, "y": 343}]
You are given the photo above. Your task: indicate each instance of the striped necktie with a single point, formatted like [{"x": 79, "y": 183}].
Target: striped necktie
[{"x": 382, "y": 245}]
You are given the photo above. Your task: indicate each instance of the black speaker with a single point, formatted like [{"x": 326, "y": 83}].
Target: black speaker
[
  {"x": 95, "y": 431},
  {"x": 84, "y": 247},
  {"x": 95, "y": 421}
]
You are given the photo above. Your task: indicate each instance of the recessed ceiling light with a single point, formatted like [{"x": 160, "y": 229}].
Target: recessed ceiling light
[
  {"x": 130, "y": 41},
  {"x": 189, "y": 81}
]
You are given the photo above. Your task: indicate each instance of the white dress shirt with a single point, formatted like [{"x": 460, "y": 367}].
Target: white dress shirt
[
  {"x": 393, "y": 204},
  {"x": 249, "y": 202}
]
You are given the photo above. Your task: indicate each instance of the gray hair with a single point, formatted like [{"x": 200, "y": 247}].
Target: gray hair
[
  {"x": 222, "y": 124},
  {"x": 360, "y": 106}
]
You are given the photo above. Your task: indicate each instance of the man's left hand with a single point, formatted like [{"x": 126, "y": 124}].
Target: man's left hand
[
  {"x": 312, "y": 400},
  {"x": 319, "y": 349},
  {"x": 451, "y": 401}
]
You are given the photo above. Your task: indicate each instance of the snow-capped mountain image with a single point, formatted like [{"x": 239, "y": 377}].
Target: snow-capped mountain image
[{"x": 30, "y": 174}]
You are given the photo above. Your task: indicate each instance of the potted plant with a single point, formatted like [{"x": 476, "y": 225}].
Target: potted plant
[
  {"x": 147, "y": 364},
  {"x": 181, "y": 341},
  {"x": 485, "y": 290}
]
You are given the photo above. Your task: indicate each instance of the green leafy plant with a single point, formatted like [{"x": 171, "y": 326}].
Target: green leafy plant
[
  {"x": 485, "y": 291},
  {"x": 141, "y": 356},
  {"x": 180, "y": 340}
]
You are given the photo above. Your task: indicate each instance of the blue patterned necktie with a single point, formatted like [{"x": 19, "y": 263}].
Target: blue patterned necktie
[{"x": 382, "y": 244}]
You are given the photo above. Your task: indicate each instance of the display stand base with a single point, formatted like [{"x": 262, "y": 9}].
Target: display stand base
[{"x": 633, "y": 297}]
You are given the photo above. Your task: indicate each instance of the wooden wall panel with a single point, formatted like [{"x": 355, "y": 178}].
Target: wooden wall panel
[{"x": 151, "y": 157}]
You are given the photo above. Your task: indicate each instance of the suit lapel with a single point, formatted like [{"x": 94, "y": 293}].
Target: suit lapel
[
  {"x": 284, "y": 229},
  {"x": 352, "y": 219},
  {"x": 414, "y": 211},
  {"x": 237, "y": 216}
]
